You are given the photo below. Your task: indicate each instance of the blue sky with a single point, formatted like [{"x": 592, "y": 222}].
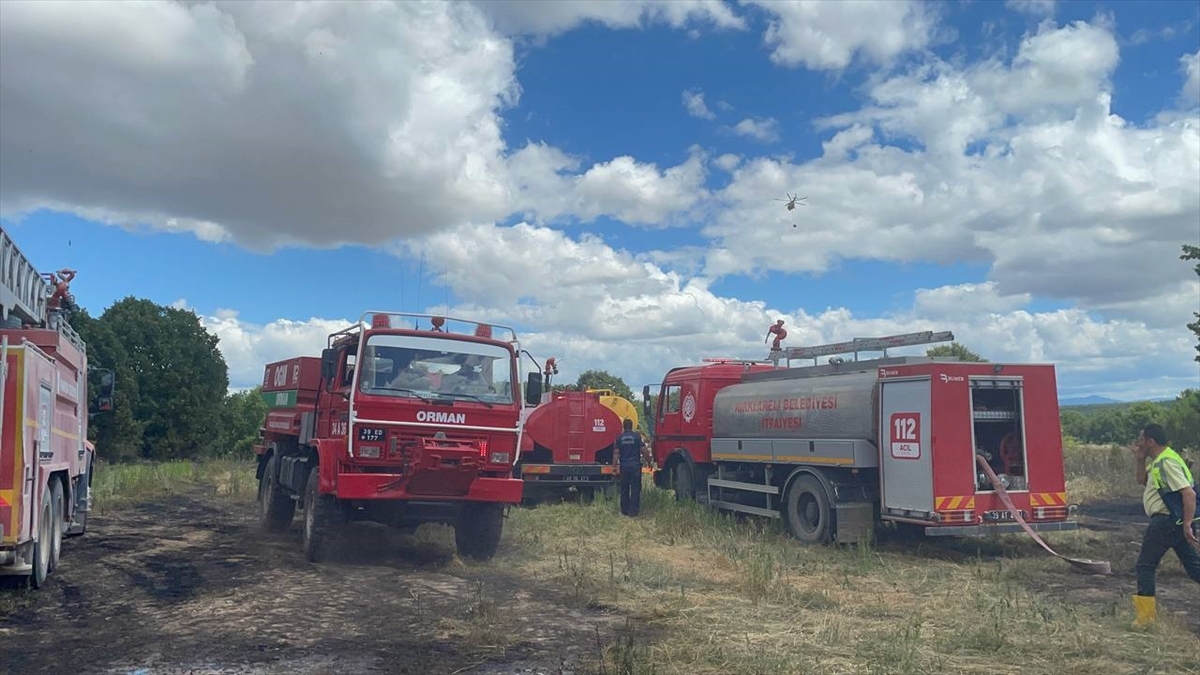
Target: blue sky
[{"x": 549, "y": 164}]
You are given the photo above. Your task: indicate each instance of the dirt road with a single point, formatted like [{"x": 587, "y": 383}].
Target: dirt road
[{"x": 183, "y": 586}]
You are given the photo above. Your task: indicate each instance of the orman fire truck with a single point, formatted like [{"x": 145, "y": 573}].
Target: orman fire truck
[
  {"x": 568, "y": 441},
  {"x": 46, "y": 461},
  {"x": 404, "y": 419},
  {"x": 837, "y": 449}
]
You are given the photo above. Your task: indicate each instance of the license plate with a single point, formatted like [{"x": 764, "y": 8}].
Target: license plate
[
  {"x": 575, "y": 478},
  {"x": 1001, "y": 516}
]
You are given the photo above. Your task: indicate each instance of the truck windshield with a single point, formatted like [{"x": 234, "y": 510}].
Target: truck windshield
[{"x": 424, "y": 367}]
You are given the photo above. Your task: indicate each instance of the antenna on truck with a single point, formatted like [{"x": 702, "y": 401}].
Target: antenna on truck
[{"x": 857, "y": 345}]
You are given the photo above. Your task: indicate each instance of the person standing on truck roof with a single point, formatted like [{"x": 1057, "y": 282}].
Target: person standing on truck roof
[
  {"x": 628, "y": 460},
  {"x": 1170, "y": 501}
]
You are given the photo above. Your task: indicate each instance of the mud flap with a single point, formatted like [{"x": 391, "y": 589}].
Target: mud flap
[{"x": 855, "y": 522}]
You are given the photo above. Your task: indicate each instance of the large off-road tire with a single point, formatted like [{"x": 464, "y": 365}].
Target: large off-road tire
[
  {"x": 323, "y": 520},
  {"x": 685, "y": 482},
  {"x": 56, "y": 533},
  {"x": 808, "y": 512},
  {"x": 477, "y": 532},
  {"x": 276, "y": 508},
  {"x": 43, "y": 546}
]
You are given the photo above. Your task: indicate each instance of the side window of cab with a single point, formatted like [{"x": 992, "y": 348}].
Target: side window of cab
[{"x": 348, "y": 368}]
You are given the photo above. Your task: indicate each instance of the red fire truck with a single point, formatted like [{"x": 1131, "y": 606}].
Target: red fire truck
[
  {"x": 836, "y": 449},
  {"x": 46, "y": 462},
  {"x": 404, "y": 419}
]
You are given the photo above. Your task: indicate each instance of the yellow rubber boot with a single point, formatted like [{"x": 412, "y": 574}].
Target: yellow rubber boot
[{"x": 1144, "y": 604}]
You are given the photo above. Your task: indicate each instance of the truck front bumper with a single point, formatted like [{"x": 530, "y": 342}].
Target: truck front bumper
[
  {"x": 568, "y": 474},
  {"x": 395, "y": 486},
  {"x": 998, "y": 528}
]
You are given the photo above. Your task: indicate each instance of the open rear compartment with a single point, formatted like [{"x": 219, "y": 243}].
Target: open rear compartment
[{"x": 998, "y": 432}]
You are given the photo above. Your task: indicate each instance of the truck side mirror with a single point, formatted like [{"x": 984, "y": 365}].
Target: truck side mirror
[
  {"x": 328, "y": 365},
  {"x": 646, "y": 401},
  {"x": 533, "y": 389},
  {"x": 104, "y": 394}
]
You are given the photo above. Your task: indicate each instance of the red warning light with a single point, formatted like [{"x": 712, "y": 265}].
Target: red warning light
[
  {"x": 483, "y": 330},
  {"x": 437, "y": 322},
  {"x": 380, "y": 321}
]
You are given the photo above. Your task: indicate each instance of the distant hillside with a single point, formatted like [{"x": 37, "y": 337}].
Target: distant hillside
[{"x": 1087, "y": 400}]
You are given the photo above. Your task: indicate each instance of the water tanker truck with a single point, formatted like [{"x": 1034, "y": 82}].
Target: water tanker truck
[
  {"x": 404, "y": 419},
  {"x": 835, "y": 450},
  {"x": 568, "y": 442}
]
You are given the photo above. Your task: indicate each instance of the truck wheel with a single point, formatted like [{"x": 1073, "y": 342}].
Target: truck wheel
[
  {"x": 808, "y": 513},
  {"x": 477, "y": 532},
  {"x": 56, "y": 527},
  {"x": 275, "y": 507},
  {"x": 41, "y": 547},
  {"x": 685, "y": 482},
  {"x": 322, "y": 518}
]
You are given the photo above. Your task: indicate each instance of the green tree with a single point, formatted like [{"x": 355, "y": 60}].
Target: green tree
[
  {"x": 1075, "y": 424},
  {"x": 242, "y": 415},
  {"x": 1182, "y": 422},
  {"x": 175, "y": 374},
  {"x": 599, "y": 379},
  {"x": 1193, "y": 253},
  {"x": 955, "y": 349},
  {"x": 117, "y": 434}
]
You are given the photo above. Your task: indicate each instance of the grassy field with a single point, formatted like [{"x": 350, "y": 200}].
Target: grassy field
[
  {"x": 712, "y": 594},
  {"x": 119, "y": 485}
]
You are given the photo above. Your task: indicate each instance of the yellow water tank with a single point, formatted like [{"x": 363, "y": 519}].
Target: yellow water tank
[{"x": 618, "y": 404}]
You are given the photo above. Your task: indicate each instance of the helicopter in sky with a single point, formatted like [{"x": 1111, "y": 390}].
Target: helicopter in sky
[{"x": 792, "y": 201}]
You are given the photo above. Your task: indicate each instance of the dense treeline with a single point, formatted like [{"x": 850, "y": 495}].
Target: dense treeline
[
  {"x": 1120, "y": 422},
  {"x": 171, "y": 398}
]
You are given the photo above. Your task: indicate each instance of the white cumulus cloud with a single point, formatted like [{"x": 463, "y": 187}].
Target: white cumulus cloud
[
  {"x": 1190, "y": 64},
  {"x": 832, "y": 35},
  {"x": 765, "y": 130},
  {"x": 693, "y": 100}
]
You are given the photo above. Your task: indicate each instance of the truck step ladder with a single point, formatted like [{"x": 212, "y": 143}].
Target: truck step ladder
[{"x": 857, "y": 345}]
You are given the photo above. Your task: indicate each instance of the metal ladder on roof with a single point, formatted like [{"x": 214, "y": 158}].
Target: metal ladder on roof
[
  {"x": 23, "y": 291},
  {"x": 857, "y": 345}
]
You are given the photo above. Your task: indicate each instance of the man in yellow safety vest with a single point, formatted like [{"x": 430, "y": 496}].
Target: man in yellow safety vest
[{"x": 1170, "y": 501}]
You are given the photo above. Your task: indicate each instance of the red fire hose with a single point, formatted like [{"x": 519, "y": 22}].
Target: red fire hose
[{"x": 1085, "y": 564}]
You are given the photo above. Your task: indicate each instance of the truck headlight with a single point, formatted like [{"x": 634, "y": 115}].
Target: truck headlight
[{"x": 499, "y": 458}]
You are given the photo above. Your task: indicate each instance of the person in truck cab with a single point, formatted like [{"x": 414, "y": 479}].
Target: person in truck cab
[
  {"x": 405, "y": 376},
  {"x": 1169, "y": 499}
]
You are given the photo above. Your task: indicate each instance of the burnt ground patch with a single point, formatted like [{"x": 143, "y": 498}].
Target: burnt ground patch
[{"x": 189, "y": 584}]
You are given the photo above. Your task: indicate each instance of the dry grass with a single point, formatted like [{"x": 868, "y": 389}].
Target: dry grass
[
  {"x": 1099, "y": 473},
  {"x": 117, "y": 486},
  {"x": 718, "y": 595},
  {"x": 713, "y": 594}
]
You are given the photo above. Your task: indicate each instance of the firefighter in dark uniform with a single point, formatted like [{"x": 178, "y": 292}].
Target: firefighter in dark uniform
[{"x": 627, "y": 458}]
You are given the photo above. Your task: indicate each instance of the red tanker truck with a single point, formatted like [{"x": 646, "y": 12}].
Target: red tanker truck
[
  {"x": 836, "y": 449},
  {"x": 396, "y": 423},
  {"x": 46, "y": 461},
  {"x": 568, "y": 443},
  {"x": 568, "y": 440}
]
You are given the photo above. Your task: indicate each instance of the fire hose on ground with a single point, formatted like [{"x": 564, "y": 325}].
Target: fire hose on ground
[{"x": 1085, "y": 564}]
